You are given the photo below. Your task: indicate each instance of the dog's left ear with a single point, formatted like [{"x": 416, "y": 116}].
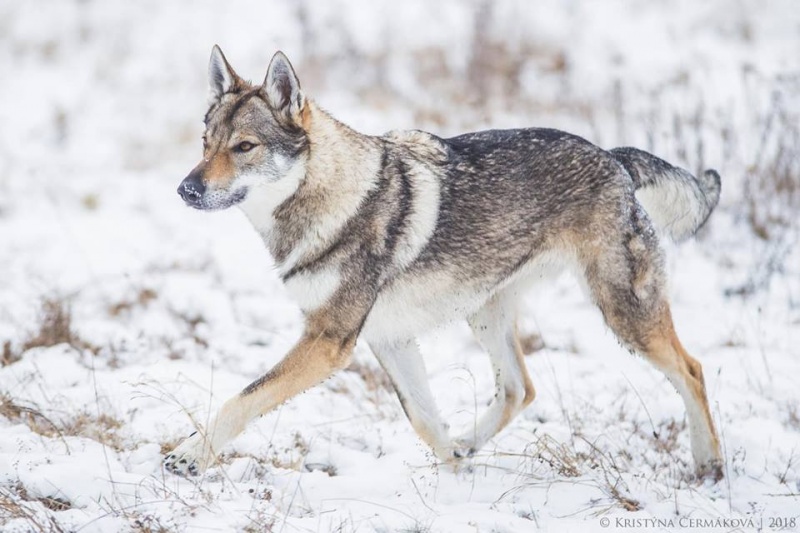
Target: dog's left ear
[
  {"x": 221, "y": 77},
  {"x": 282, "y": 89}
]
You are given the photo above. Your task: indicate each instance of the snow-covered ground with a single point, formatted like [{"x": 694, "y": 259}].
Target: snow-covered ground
[{"x": 167, "y": 311}]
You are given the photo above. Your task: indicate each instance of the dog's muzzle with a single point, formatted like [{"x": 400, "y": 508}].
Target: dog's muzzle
[{"x": 191, "y": 189}]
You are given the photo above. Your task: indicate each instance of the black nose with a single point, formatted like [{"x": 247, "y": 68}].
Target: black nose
[{"x": 191, "y": 189}]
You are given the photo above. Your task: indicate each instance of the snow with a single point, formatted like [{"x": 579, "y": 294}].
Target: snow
[{"x": 176, "y": 310}]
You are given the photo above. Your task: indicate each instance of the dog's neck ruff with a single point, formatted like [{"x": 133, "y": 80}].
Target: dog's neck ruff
[{"x": 303, "y": 212}]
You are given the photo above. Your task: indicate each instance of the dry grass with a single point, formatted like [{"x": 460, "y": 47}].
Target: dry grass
[
  {"x": 771, "y": 195},
  {"x": 167, "y": 446},
  {"x": 102, "y": 428},
  {"x": 375, "y": 379},
  {"x": 54, "y": 327},
  {"x": 260, "y": 519},
  {"x": 601, "y": 466},
  {"x": 193, "y": 323},
  {"x": 149, "y": 524},
  {"x": 546, "y": 460},
  {"x": 492, "y": 78},
  {"x": 9, "y": 356},
  {"x": 17, "y": 505},
  {"x": 32, "y": 417},
  {"x": 772, "y": 182},
  {"x": 142, "y": 298},
  {"x": 530, "y": 343},
  {"x": 286, "y": 458},
  {"x": 377, "y": 385},
  {"x": 787, "y": 473}
]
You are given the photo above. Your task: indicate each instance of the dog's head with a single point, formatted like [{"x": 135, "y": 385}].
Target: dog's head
[{"x": 254, "y": 135}]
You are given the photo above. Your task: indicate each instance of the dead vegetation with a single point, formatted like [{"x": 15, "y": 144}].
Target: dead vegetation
[
  {"x": 291, "y": 457},
  {"x": 787, "y": 473},
  {"x": 9, "y": 356},
  {"x": 149, "y": 524},
  {"x": 141, "y": 299},
  {"x": 375, "y": 379},
  {"x": 491, "y": 79},
  {"x": 559, "y": 457},
  {"x": 545, "y": 458},
  {"x": 772, "y": 182},
  {"x": 193, "y": 324},
  {"x": 38, "y": 422},
  {"x": 102, "y": 427},
  {"x": 54, "y": 326},
  {"x": 260, "y": 522},
  {"x": 17, "y": 505},
  {"x": 771, "y": 195},
  {"x": 261, "y": 516},
  {"x": 51, "y": 503},
  {"x": 530, "y": 343},
  {"x": 377, "y": 386}
]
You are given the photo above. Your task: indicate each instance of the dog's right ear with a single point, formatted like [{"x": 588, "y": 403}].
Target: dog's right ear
[
  {"x": 221, "y": 77},
  {"x": 282, "y": 89}
]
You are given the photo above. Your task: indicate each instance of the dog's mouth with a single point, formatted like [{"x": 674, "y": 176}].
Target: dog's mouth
[
  {"x": 236, "y": 197},
  {"x": 210, "y": 200}
]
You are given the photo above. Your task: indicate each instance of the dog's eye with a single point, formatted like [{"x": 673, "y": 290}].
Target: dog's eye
[
  {"x": 205, "y": 143},
  {"x": 244, "y": 146}
]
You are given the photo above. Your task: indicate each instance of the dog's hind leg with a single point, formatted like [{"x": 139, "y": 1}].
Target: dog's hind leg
[
  {"x": 494, "y": 325},
  {"x": 666, "y": 352},
  {"x": 404, "y": 365},
  {"x": 627, "y": 282}
]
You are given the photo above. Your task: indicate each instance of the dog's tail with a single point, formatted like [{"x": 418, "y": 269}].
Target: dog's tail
[{"x": 677, "y": 202}]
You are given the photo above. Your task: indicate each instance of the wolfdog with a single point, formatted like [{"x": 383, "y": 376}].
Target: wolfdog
[{"x": 385, "y": 237}]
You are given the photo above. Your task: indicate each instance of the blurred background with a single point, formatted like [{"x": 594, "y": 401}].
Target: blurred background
[{"x": 106, "y": 278}]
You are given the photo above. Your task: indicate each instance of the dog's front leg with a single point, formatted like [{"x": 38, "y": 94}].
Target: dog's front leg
[{"x": 318, "y": 354}]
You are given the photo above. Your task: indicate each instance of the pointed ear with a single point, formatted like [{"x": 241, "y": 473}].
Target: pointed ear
[
  {"x": 221, "y": 77},
  {"x": 282, "y": 89}
]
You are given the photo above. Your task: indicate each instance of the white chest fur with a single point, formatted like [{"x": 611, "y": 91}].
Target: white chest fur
[{"x": 312, "y": 290}]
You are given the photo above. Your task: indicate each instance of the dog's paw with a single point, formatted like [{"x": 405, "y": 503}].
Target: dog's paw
[
  {"x": 190, "y": 458},
  {"x": 710, "y": 471},
  {"x": 463, "y": 448}
]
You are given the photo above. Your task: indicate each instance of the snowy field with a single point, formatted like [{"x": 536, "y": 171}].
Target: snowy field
[{"x": 126, "y": 317}]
